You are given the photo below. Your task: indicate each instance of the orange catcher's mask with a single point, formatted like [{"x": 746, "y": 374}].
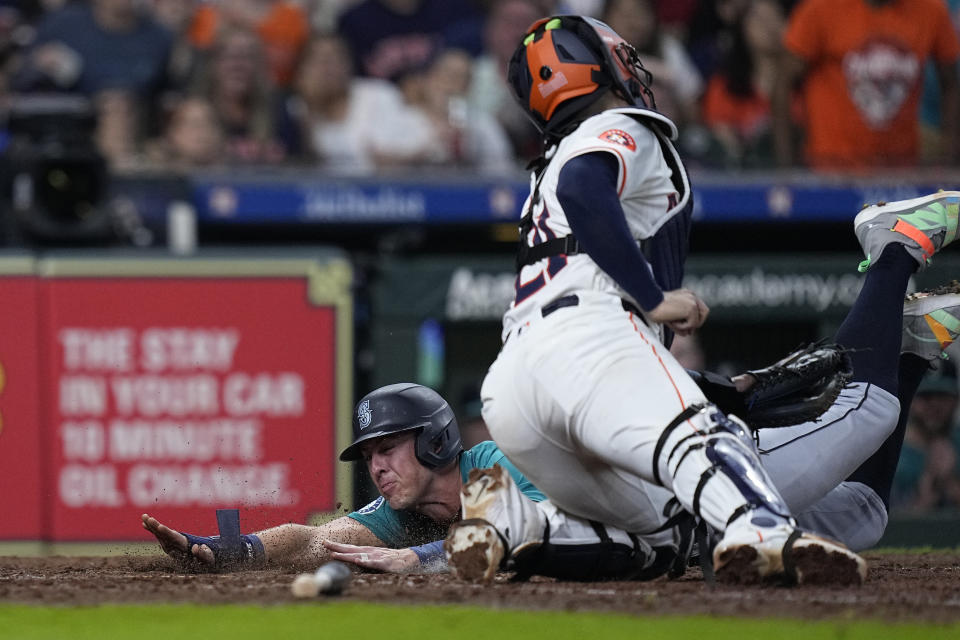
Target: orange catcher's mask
[{"x": 566, "y": 63}]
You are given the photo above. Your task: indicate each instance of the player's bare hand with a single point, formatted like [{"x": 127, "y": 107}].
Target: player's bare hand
[
  {"x": 743, "y": 382},
  {"x": 379, "y": 558},
  {"x": 174, "y": 544},
  {"x": 681, "y": 310}
]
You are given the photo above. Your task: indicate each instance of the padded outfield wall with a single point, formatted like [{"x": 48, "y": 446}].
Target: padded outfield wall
[{"x": 140, "y": 382}]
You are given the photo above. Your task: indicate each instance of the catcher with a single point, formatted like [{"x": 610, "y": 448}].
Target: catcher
[{"x": 583, "y": 398}]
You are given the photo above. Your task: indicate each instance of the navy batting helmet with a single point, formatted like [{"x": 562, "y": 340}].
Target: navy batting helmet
[
  {"x": 566, "y": 63},
  {"x": 406, "y": 407}
]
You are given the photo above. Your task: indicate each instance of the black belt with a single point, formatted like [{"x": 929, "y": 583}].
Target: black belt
[
  {"x": 572, "y": 300},
  {"x": 559, "y": 303}
]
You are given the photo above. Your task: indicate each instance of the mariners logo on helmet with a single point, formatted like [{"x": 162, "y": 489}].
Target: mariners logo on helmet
[
  {"x": 364, "y": 415},
  {"x": 406, "y": 406}
]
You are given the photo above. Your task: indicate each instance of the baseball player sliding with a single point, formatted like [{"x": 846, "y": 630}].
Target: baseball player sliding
[{"x": 410, "y": 441}]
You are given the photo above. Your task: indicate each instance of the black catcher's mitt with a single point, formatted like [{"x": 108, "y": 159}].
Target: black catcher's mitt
[{"x": 798, "y": 388}]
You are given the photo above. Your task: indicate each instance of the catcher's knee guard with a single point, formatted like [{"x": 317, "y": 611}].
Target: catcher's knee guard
[{"x": 699, "y": 443}]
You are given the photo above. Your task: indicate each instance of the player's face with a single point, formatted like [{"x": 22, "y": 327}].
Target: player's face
[{"x": 395, "y": 470}]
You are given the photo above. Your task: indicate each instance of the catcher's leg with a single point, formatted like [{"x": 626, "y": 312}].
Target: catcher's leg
[
  {"x": 587, "y": 424},
  {"x": 709, "y": 461},
  {"x": 503, "y": 529}
]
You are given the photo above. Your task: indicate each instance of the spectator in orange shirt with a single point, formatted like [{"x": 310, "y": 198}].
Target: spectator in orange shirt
[
  {"x": 862, "y": 64},
  {"x": 283, "y": 27},
  {"x": 736, "y": 105}
]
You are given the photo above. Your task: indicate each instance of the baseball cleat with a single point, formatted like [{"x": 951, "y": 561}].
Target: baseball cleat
[
  {"x": 498, "y": 522},
  {"x": 754, "y": 555},
  {"x": 931, "y": 321},
  {"x": 473, "y": 546},
  {"x": 811, "y": 559},
  {"x": 481, "y": 492},
  {"x": 922, "y": 225},
  {"x": 474, "y": 550}
]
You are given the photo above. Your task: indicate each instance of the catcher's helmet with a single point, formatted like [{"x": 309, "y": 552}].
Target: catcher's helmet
[
  {"x": 405, "y": 407},
  {"x": 566, "y": 63}
]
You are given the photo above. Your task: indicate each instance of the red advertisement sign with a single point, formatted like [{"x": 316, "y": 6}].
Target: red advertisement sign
[
  {"x": 177, "y": 396},
  {"x": 21, "y": 490}
]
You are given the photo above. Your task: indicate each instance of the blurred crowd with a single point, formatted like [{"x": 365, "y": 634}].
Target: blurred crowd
[
  {"x": 361, "y": 86},
  {"x": 928, "y": 475}
]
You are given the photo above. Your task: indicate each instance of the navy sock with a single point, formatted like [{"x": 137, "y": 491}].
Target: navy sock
[
  {"x": 878, "y": 470},
  {"x": 873, "y": 327}
]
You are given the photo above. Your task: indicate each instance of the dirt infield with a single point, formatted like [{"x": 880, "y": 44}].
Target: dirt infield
[{"x": 915, "y": 587}]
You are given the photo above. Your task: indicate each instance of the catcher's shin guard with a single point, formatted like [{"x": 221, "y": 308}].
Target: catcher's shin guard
[
  {"x": 710, "y": 462},
  {"x": 716, "y": 474}
]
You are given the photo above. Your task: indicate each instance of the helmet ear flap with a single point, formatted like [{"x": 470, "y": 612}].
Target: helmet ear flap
[{"x": 439, "y": 443}]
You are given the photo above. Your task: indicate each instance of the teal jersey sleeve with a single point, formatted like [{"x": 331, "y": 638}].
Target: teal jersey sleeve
[
  {"x": 398, "y": 529},
  {"x": 485, "y": 455}
]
